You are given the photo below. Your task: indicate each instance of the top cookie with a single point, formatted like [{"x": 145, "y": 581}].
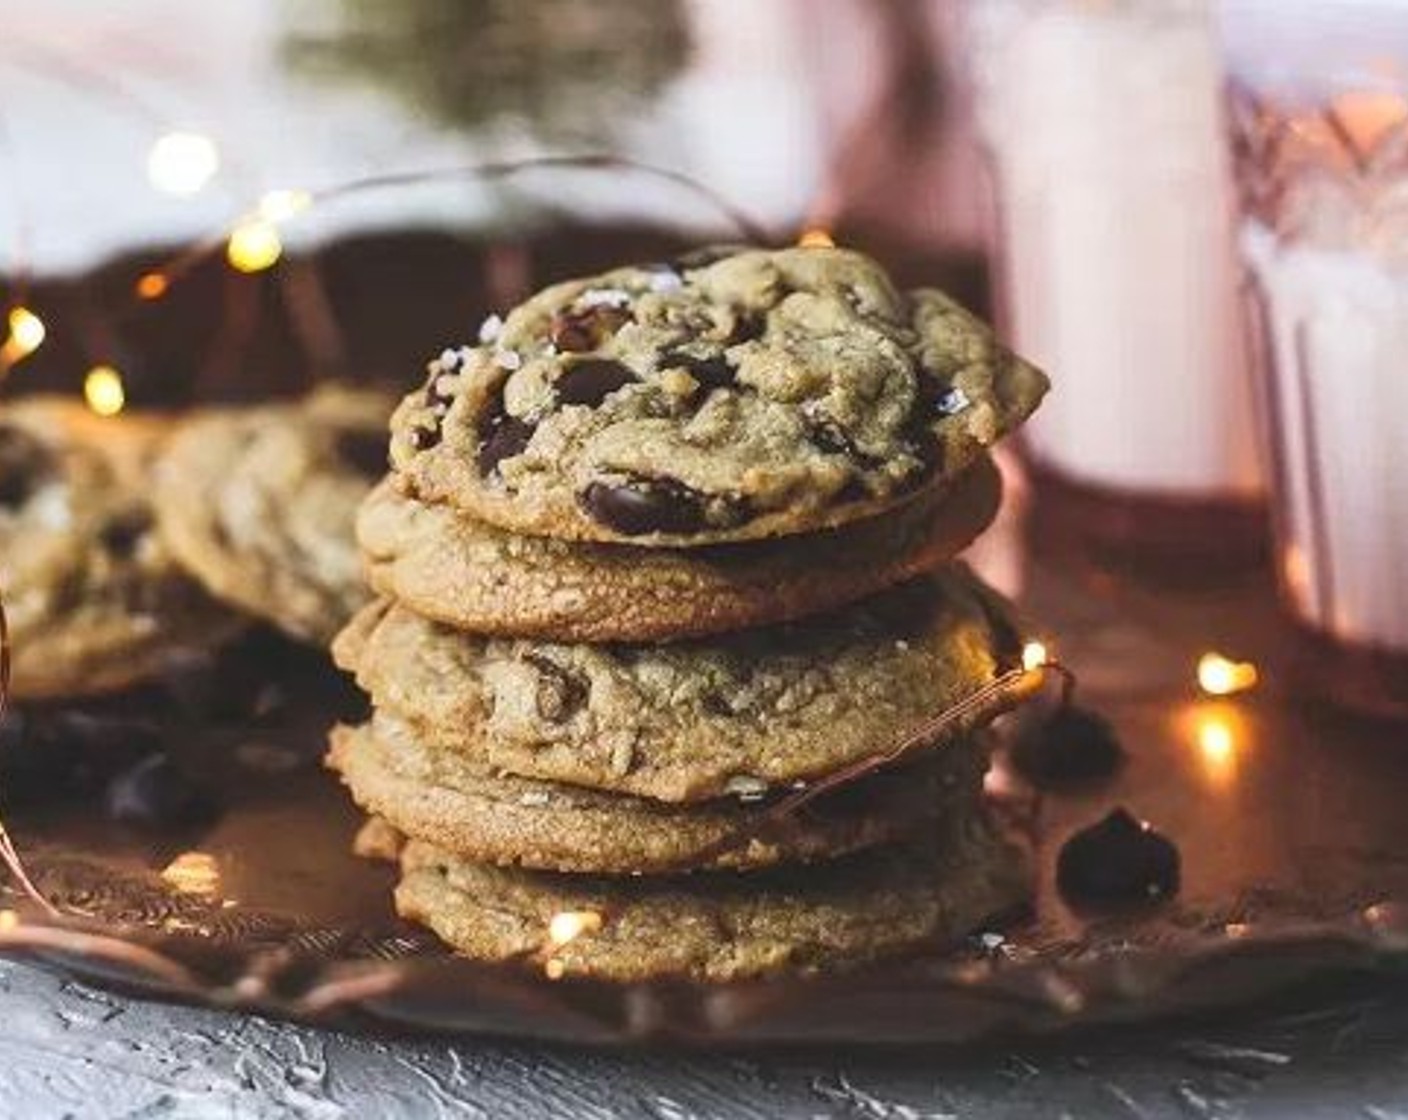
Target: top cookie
[
  {"x": 259, "y": 504},
  {"x": 94, "y": 601},
  {"x": 756, "y": 394}
]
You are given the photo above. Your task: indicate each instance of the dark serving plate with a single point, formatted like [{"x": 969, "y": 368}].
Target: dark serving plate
[{"x": 1289, "y": 820}]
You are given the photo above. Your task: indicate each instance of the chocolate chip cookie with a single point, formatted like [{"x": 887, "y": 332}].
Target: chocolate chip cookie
[
  {"x": 742, "y": 713},
  {"x": 95, "y": 602},
  {"x": 739, "y": 396},
  {"x": 723, "y": 926},
  {"x": 452, "y": 567},
  {"x": 459, "y": 804},
  {"x": 259, "y": 504}
]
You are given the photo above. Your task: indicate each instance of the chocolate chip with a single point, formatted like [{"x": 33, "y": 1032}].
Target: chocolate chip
[
  {"x": 646, "y": 505},
  {"x": 561, "y": 692},
  {"x": 424, "y": 437},
  {"x": 506, "y": 437},
  {"x": 33, "y": 765},
  {"x": 156, "y": 793},
  {"x": 575, "y": 332},
  {"x": 1072, "y": 746},
  {"x": 434, "y": 398},
  {"x": 712, "y": 372},
  {"x": 747, "y": 326},
  {"x": 827, "y": 436},
  {"x": 119, "y": 536},
  {"x": 591, "y": 381},
  {"x": 1118, "y": 861},
  {"x": 362, "y": 452},
  {"x": 23, "y": 462}
]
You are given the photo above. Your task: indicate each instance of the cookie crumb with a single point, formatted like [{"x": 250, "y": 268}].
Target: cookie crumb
[{"x": 623, "y": 757}]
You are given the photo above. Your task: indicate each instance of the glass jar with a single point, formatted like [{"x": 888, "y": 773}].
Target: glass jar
[
  {"x": 1116, "y": 264},
  {"x": 1319, "y": 112}
]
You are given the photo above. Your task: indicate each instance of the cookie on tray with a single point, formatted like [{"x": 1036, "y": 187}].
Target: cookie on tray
[
  {"x": 259, "y": 503},
  {"x": 446, "y": 565},
  {"x": 750, "y": 712},
  {"x": 746, "y": 395},
  {"x": 441, "y": 795},
  {"x": 94, "y": 600},
  {"x": 723, "y": 926}
]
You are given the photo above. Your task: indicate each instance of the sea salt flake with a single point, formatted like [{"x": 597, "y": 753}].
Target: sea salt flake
[
  {"x": 534, "y": 798},
  {"x": 449, "y": 358},
  {"x": 508, "y": 359},
  {"x": 604, "y": 297},
  {"x": 490, "y": 328},
  {"x": 953, "y": 402},
  {"x": 746, "y": 787},
  {"x": 666, "y": 281}
]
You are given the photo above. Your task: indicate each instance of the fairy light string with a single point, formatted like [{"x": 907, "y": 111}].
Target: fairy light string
[{"x": 998, "y": 692}]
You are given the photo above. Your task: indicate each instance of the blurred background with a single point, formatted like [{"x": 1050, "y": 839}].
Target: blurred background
[
  {"x": 1193, "y": 213},
  {"x": 131, "y": 132}
]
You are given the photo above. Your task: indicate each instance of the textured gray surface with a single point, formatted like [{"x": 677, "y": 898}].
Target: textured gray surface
[{"x": 67, "y": 1050}]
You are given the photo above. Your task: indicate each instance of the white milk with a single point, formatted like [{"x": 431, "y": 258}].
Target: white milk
[
  {"x": 1321, "y": 96},
  {"x": 1105, "y": 127},
  {"x": 1338, "y": 391}
]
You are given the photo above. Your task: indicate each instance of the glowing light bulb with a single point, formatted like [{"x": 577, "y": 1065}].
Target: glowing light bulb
[
  {"x": 1221, "y": 737},
  {"x": 182, "y": 163},
  {"x": 103, "y": 390},
  {"x": 1220, "y": 676},
  {"x": 280, "y": 206},
  {"x": 152, "y": 285},
  {"x": 1215, "y": 740},
  {"x": 27, "y": 332},
  {"x": 1034, "y": 656},
  {"x": 816, "y": 239},
  {"x": 568, "y": 925},
  {"x": 254, "y": 246}
]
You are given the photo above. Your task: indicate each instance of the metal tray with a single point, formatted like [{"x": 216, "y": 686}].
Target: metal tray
[{"x": 1289, "y": 819}]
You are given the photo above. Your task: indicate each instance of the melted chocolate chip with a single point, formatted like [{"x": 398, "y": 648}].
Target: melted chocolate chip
[
  {"x": 712, "y": 372},
  {"x": 120, "y": 535},
  {"x": 576, "y": 332},
  {"x": 1118, "y": 862},
  {"x": 591, "y": 381},
  {"x": 434, "y": 398},
  {"x": 827, "y": 436},
  {"x": 156, "y": 793},
  {"x": 561, "y": 692},
  {"x": 23, "y": 462},
  {"x": 1071, "y": 747},
  {"x": 506, "y": 437},
  {"x": 423, "y": 438},
  {"x": 362, "y": 452},
  {"x": 646, "y": 505},
  {"x": 747, "y": 326}
]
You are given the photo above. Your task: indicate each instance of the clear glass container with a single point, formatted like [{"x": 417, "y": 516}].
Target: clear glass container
[
  {"x": 1103, "y": 128},
  {"x": 1319, "y": 111}
]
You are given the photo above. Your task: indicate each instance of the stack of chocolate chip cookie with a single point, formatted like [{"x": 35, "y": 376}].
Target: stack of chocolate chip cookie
[{"x": 663, "y": 566}]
